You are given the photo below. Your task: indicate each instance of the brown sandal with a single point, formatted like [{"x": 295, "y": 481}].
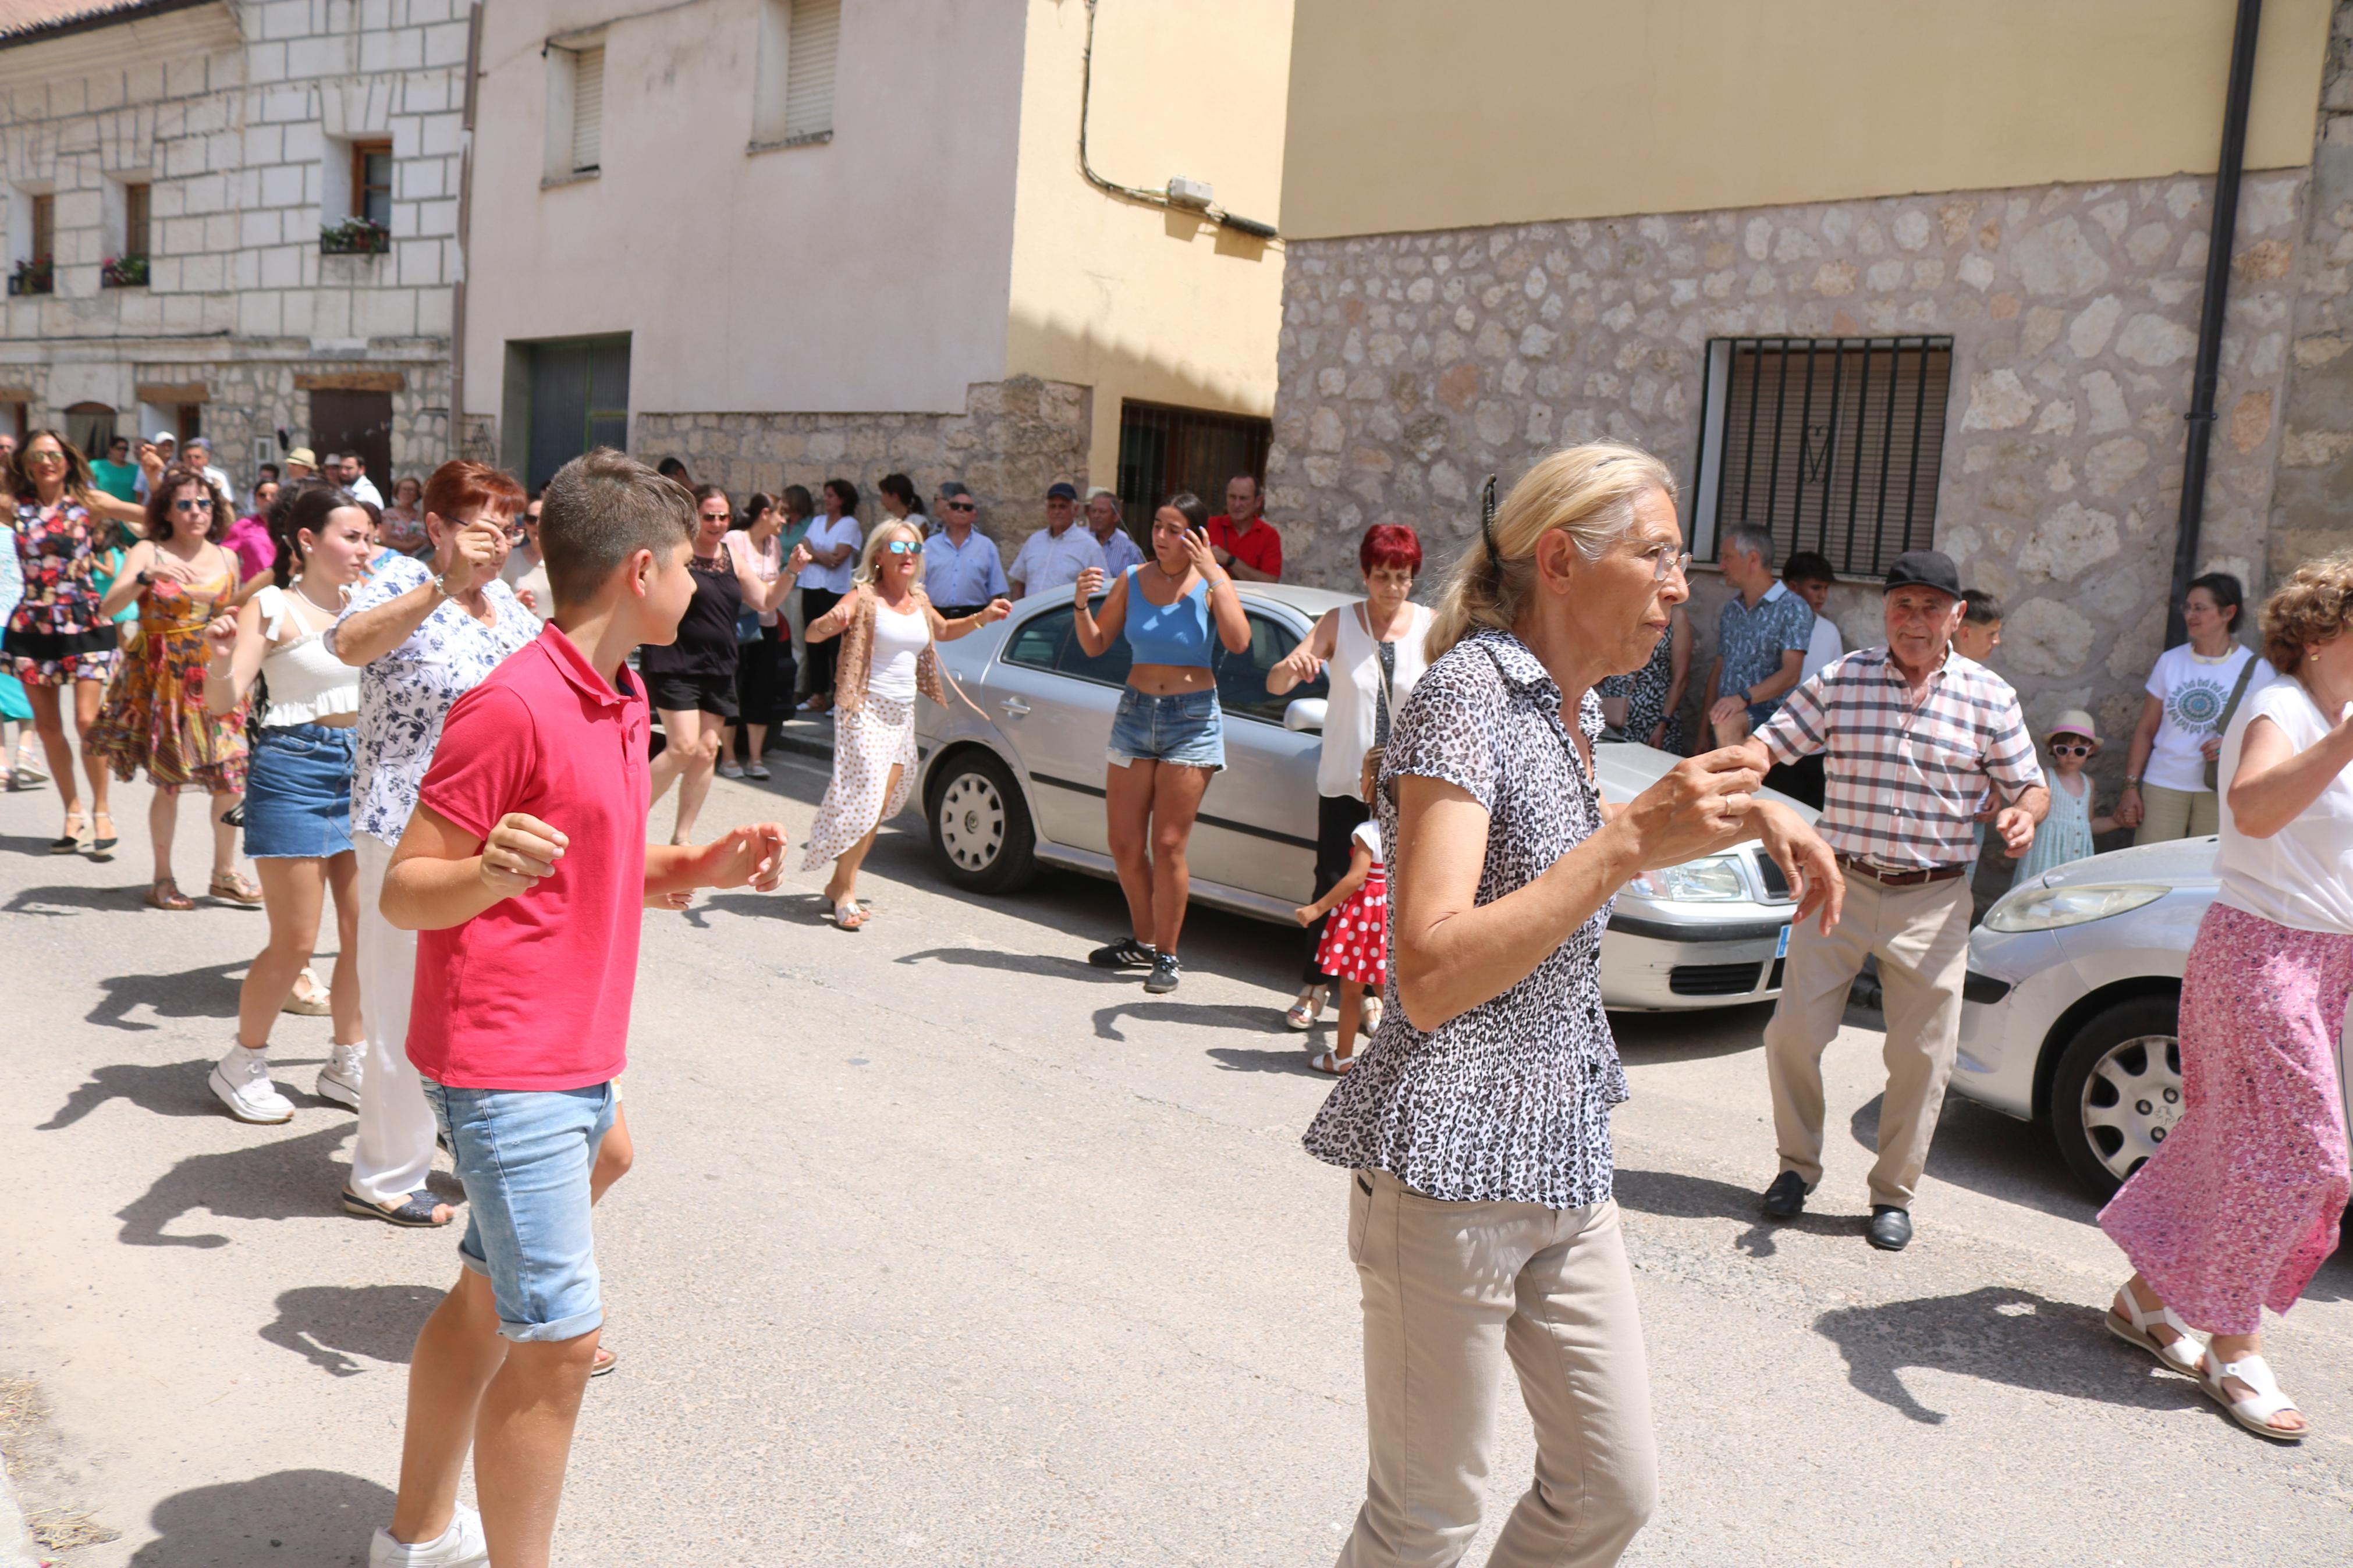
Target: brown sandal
[
  {"x": 231, "y": 887},
  {"x": 167, "y": 895}
]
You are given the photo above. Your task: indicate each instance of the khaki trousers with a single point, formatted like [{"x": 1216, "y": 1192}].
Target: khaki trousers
[
  {"x": 1921, "y": 936},
  {"x": 2170, "y": 814},
  {"x": 1451, "y": 1290}
]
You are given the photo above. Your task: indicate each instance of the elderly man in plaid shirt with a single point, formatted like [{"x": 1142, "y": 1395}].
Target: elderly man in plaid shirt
[{"x": 1914, "y": 735}]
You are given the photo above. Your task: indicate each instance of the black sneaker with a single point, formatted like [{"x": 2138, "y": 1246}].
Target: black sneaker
[
  {"x": 1125, "y": 953},
  {"x": 1164, "y": 977}
]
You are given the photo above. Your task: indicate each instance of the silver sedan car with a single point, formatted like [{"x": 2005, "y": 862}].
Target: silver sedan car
[{"x": 1021, "y": 784}]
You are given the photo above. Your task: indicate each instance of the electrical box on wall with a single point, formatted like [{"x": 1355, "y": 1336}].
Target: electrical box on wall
[{"x": 1185, "y": 193}]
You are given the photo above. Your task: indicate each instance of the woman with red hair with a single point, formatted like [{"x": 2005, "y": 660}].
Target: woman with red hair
[
  {"x": 1373, "y": 652},
  {"x": 422, "y": 634}
]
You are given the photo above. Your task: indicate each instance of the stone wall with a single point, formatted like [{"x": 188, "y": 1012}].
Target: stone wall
[
  {"x": 246, "y": 149},
  {"x": 1413, "y": 365},
  {"x": 2312, "y": 503},
  {"x": 1014, "y": 439}
]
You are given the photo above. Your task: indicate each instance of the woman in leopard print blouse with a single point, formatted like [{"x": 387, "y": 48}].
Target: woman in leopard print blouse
[{"x": 1477, "y": 1124}]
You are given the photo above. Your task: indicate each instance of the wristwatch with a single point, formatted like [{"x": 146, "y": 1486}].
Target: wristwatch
[{"x": 440, "y": 580}]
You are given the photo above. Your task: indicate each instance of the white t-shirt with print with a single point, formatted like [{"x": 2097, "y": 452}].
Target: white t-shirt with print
[
  {"x": 2302, "y": 876},
  {"x": 2192, "y": 690}
]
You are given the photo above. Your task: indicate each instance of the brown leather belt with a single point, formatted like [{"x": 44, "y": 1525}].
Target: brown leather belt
[{"x": 1886, "y": 879}]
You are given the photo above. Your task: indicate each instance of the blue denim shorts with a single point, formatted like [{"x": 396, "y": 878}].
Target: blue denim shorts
[
  {"x": 524, "y": 1156},
  {"x": 298, "y": 792},
  {"x": 1185, "y": 727}
]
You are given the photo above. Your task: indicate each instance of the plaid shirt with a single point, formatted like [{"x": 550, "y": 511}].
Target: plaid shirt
[{"x": 1905, "y": 779}]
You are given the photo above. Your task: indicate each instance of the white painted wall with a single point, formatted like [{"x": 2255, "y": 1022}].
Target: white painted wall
[{"x": 866, "y": 274}]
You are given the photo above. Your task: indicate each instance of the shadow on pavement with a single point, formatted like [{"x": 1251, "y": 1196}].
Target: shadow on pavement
[
  {"x": 68, "y": 900},
  {"x": 320, "y": 1518},
  {"x": 168, "y": 1089},
  {"x": 206, "y": 993},
  {"x": 321, "y": 1323},
  {"x": 1672, "y": 1195},
  {"x": 1264, "y": 1020},
  {"x": 2001, "y": 1335},
  {"x": 1292, "y": 1063},
  {"x": 291, "y": 1178},
  {"x": 1647, "y": 1037},
  {"x": 1039, "y": 964}
]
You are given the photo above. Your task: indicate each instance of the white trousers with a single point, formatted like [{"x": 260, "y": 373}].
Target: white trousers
[{"x": 395, "y": 1147}]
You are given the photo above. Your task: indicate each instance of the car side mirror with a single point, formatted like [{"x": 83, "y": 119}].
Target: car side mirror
[{"x": 1306, "y": 713}]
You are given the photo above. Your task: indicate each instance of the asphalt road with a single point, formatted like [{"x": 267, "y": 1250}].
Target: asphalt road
[{"x": 943, "y": 1248}]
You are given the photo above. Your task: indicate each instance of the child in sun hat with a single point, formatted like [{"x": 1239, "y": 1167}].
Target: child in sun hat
[{"x": 2066, "y": 833}]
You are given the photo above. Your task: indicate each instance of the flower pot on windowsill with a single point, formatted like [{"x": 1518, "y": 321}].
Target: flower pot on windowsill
[
  {"x": 35, "y": 275},
  {"x": 355, "y": 236},
  {"x": 123, "y": 272}
]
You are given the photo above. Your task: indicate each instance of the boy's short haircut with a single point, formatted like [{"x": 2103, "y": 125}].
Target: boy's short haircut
[
  {"x": 602, "y": 507},
  {"x": 1981, "y": 608},
  {"x": 1807, "y": 566}
]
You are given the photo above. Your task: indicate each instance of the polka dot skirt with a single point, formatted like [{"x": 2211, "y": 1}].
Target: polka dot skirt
[{"x": 1357, "y": 937}]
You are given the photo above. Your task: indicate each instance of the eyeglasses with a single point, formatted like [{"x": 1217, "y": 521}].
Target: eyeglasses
[
  {"x": 963, "y": 506},
  {"x": 192, "y": 506},
  {"x": 905, "y": 546},
  {"x": 2070, "y": 751},
  {"x": 1666, "y": 561}
]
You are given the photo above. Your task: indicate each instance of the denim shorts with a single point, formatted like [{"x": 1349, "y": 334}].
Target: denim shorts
[
  {"x": 1185, "y": 727},
  {"x": 524, "y": 1156},
  {"x": 298, "y": 792}
]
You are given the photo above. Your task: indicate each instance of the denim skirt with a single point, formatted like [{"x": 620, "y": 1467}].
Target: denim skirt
[{"x": 298, "y": 792}]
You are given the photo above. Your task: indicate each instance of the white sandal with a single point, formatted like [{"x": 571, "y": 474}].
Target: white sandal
[
  {"x": 1332, "y": 1063},
  {"x": 2186, "y": 1355},
  {"x": 1307, "y": 1009},
  {"x": 1372, "y": 1011},
  {"x": 2254, "y": 1411}
]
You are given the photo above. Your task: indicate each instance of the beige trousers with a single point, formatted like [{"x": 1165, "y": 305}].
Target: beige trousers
[
  {"x": 2170, "y": 814},
  {"x": 1450, "y": 1290},
  {"x": 1921, "y": 936}
]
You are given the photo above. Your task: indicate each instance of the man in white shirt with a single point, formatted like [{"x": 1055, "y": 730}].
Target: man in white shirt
[
  {"x": 1809, "y": 575},
  {"x": 354, "y": 478},
  {"x": 962, "y": 568},
  {"x": 1052, "y": 558},
  {"x": 198, "y": 455},
  {"x": 1119, "y": 547}
]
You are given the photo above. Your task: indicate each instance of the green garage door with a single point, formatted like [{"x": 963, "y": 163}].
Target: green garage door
[{"x": 579, "y": 399}]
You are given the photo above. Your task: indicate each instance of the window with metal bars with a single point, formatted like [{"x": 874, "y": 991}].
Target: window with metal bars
[{"x": 1833, "y": 443}]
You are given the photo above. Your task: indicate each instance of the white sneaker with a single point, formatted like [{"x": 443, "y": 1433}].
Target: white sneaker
[
  {"x": 339, "y": 1081},
  {"x": 241, "y": 1078},
  {"x": 462, "y": 1545}
]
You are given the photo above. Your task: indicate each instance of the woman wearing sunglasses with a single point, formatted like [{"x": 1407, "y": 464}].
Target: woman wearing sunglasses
[
  {"x": 887, "y": 626},
  {"x": 155, "y": 716}
]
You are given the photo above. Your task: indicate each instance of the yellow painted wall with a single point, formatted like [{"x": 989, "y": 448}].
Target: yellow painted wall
[
  {"x": 1413, "y": 114},
  {"x": 1131, "y": 300}
]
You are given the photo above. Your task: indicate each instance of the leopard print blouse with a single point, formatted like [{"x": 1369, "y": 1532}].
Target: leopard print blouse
[{"x": 1509, "y": 1101}]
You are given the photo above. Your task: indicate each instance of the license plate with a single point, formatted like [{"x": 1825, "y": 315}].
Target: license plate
[{"x": 1781, "y": 948}]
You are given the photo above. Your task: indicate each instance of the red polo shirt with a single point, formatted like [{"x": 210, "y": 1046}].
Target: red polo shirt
[
  {"x": 533, "y": 992},
  {"x": 1260, "y": 549}
]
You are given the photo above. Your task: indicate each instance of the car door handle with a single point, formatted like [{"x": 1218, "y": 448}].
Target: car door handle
[{"x": 1015, "y": 706}]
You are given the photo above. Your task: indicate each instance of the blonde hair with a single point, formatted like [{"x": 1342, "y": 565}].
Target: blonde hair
[
  {"x": 883, "y": 534},
  {"x": 1587, "y": 491},
  {"x": 2313, "y": 606}
]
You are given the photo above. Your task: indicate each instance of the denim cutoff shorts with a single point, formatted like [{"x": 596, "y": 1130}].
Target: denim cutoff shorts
[
  {"x": 524, "y": 1156},
  {"x": 1185, "y": 727},
  {"x": 298, "y": 792}
]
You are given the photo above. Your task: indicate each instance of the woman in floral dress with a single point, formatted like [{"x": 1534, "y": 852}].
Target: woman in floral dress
[
  {"x": 56, "y": 638},
  {"x": 155, "y": 717}
]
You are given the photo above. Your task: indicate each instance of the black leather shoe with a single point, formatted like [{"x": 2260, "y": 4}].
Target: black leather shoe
[
  {"x": 1786, "y": 1198},
  {"x": 1891, "y": 1228}
]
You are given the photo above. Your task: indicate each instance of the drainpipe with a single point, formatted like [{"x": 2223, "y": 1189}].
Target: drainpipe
[
  {"x": 465, "y": 218},
  {"x": 2209, "y": 313}
]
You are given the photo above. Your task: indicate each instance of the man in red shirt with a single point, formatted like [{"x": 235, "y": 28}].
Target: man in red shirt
[
  {"x": 526, "y": 869},
  {"x": 1245, "y": 543}
]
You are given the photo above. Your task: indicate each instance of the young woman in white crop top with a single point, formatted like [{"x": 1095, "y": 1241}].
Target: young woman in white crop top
[{"x": 298, "y": 795}]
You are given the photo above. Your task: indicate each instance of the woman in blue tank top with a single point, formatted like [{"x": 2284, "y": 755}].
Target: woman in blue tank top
[{"x": 1168, "y": 736}]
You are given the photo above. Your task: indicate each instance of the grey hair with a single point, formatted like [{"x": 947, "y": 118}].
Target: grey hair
[{"x": 1748, "y": 538}]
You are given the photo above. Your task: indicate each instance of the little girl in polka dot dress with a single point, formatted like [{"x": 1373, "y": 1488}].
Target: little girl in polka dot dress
[{"x": 1356, "y": 947}]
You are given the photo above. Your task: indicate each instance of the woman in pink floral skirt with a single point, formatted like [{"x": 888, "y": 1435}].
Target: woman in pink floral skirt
[{"x": 2239, "y": 1208}]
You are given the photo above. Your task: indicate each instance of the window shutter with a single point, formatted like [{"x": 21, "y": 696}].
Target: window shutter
[
  {"x": 587, "y": 109},
  {"x": 814, "y": 41}
]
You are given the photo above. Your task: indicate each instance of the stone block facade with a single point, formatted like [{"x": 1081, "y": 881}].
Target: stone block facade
[
  {"x": 1013, "y": 439},
  {"x": 1413, "y": 365},
  {"x": 246, "y": 149},
  {"x": 2312, "y": 499}
]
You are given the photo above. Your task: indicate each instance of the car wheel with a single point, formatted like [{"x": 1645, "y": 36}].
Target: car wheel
[
  {"x": 980, "y": 825},
  {"x": 2117, "y": 1092}
]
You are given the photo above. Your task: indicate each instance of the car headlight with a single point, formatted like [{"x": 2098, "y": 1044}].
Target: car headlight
[
  {"x": 2048, "y": 908},
  {"x": 1715, "y": 880}
]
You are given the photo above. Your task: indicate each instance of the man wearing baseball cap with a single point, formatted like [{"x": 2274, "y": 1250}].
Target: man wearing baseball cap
[
  {"x": 1913, "y": 737},
  {"x": 1053, "y": 557}
]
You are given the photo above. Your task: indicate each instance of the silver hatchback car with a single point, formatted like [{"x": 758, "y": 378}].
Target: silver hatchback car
[{"x": 1024, "y": 785}]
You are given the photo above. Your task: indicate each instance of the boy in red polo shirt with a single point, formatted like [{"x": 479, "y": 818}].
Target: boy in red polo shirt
[{"x": 526, "y": 869}]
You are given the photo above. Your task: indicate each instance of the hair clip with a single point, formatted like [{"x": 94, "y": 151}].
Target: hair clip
[{"x": 1487, "y": 521}]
